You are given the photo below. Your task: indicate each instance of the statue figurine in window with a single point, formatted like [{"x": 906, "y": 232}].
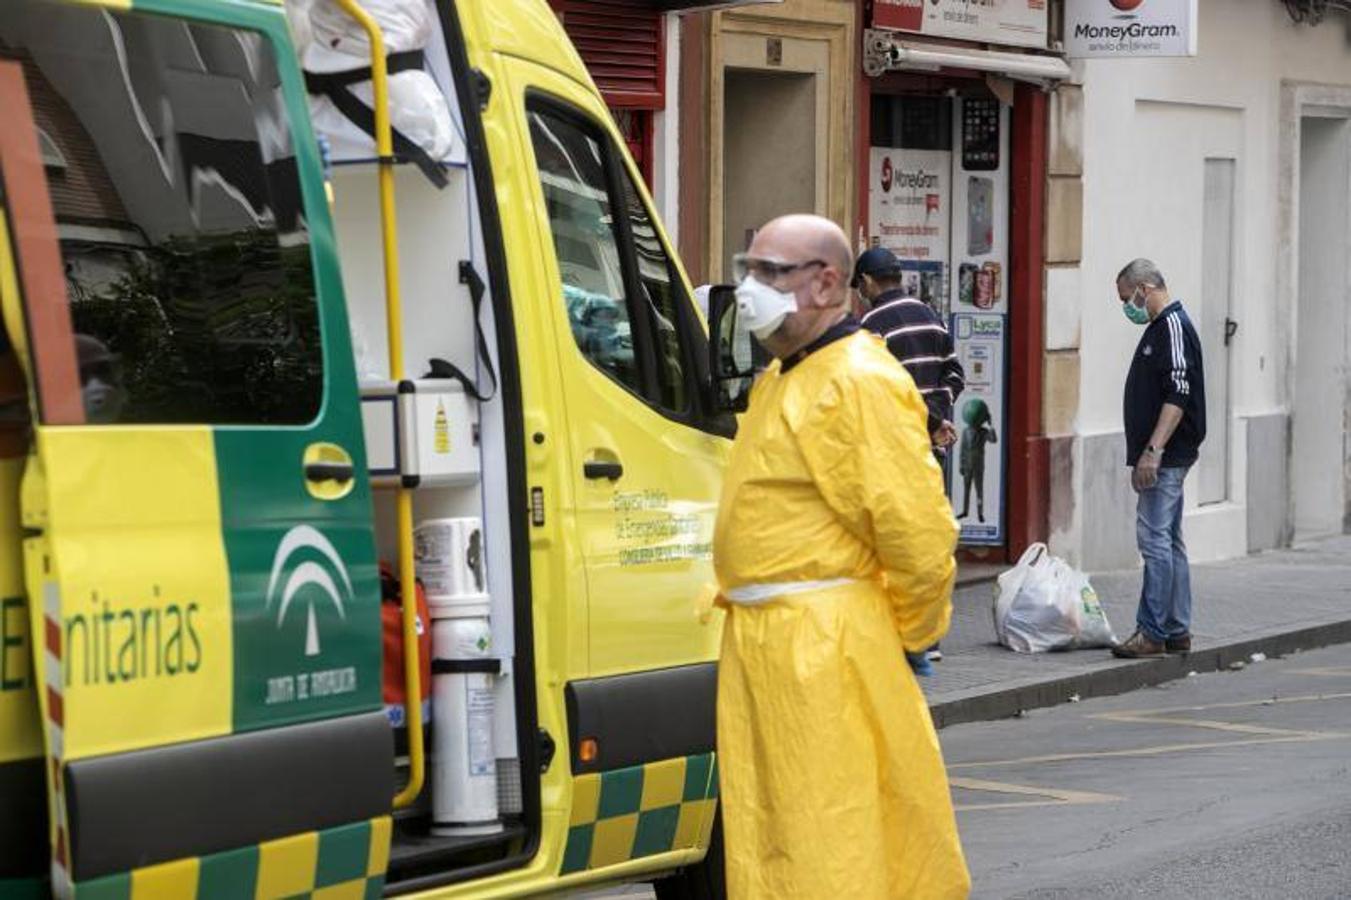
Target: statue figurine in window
[
  {"x": 978, "y": 432},
  {"x": 100, "y": 381}
]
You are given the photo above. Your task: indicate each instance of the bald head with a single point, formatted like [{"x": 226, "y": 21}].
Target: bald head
[
  {"x": 810, "y": 237},
  {"x": 819, "y": 250}
]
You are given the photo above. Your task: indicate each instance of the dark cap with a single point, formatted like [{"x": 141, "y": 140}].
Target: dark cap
[
  {"x": 90, "y": 350},
  {"x": 876, "y": 262}
]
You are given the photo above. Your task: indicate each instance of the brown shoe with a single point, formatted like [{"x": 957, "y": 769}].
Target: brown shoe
[
  {"x": 1181, "y": 644},
  {"x": 1137, "y": 646}
]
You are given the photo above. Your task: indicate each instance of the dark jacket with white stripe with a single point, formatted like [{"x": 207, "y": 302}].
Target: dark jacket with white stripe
[
  {"x": 1166, "y": 369},
  {"x": 916, "y": 336}
]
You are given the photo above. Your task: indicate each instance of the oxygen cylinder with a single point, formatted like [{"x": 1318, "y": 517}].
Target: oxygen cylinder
[
  {"x": 464, "y": 763},
  {"x": 463, "y": 759}
]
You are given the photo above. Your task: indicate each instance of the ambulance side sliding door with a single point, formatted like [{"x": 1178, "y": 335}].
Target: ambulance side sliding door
[{"x": 200, "y": 561}]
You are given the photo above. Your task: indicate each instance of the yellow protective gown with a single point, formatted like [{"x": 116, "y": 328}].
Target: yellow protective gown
[{"x": 832, "y": 781}]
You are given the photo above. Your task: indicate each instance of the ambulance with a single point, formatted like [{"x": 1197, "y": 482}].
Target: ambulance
[{"x": 358, "y": 463}]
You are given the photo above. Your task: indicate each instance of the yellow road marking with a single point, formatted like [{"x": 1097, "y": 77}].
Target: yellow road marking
[
  {"x": 1237, "y": 704},
  {"x": 1142, "y": 751},
  {"x": 1214, "y": 724},
  {"x": 1057, "y": 796},
  {"x": 1263, "y": 734}
]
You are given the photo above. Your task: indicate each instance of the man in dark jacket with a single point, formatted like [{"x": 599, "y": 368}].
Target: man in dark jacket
[{"x": 1165, "y": 417}]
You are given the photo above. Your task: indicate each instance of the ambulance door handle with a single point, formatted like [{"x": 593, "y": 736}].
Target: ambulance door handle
[
  {"x": 598, "y": 469},
  {"x": 329, "y": 471}
]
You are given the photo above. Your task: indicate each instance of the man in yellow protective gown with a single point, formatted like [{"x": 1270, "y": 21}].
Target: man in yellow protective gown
[{"x": 834, "y": 554}]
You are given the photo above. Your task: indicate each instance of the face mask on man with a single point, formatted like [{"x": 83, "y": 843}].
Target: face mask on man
[
  {"x": 1137, "y": 314},
  {"x": 103, "y": 400},
  {"x": 762, "y": 308}
]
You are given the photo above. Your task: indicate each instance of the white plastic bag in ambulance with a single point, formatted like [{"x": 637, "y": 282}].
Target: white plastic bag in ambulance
[
  {"x": 406, "y": 25},
  {"x": 417, "y": 109},
  {"x": 1043, "y": 603},
  {"x": 328, "y": 40}
]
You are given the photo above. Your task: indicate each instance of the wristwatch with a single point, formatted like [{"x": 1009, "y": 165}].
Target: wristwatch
[{"x": 1157, "y": 451}]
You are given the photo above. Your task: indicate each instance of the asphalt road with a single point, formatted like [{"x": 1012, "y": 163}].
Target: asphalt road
[{"x": 1227, "y": 785}]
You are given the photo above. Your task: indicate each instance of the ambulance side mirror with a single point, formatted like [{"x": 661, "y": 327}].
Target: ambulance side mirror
[{"x": 733, "y": 353}]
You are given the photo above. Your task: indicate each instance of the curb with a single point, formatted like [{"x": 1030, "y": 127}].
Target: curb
[{"x": 980, "y": 705}]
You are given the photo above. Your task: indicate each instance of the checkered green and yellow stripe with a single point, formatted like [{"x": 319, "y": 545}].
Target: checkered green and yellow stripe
[
  {"x": 346, "y": 863},
  {"x": 631, "y": 813}
]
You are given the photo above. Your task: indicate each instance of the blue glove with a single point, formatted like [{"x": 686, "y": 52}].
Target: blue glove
[{"x": 919, "y": 664}]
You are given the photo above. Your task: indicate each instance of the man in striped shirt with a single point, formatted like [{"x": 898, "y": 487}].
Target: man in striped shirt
[{"x": 915, "y": 335}]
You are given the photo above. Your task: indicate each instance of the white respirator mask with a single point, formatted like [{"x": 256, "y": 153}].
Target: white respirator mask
[{"x": 762, "y": 308}]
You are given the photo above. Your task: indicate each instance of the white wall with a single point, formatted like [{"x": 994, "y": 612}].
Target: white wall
[{"x": 1148, "y": 127}]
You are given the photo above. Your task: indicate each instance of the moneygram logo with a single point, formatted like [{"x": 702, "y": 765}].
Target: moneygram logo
[
  {"x": 1126, "y": 5},
  {"x": 1133, "y": 31},
  {"x": 887, "y": 174},
  {"x": 918, "y": 180},
  {"x": 313, "y": 562}
]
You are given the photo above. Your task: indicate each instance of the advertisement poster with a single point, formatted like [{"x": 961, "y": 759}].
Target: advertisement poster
[
  {"x": 1018, "y": 22},
  {"x": 977, "y": 467},
  {"x": 924, "y": 280},
  {"x": 909, "y": 213},
  {"x": 980, "y": 207},
  {"x": 1129, "y": 29}
]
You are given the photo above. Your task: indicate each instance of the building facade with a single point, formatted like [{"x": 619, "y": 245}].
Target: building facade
[{"x": 1232, "y": 170}]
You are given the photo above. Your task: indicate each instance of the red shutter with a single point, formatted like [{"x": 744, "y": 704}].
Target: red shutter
[{"x": 623, "y": 45}]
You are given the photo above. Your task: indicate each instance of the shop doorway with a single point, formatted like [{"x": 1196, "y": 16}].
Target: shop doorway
[
  {"x": 1318, "y": 463},
  {"x": 769, "y": 152},
  {"x": 939, "y": 198}
]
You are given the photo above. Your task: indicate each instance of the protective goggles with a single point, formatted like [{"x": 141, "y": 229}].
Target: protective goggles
[{"x": 768, "y": 271}]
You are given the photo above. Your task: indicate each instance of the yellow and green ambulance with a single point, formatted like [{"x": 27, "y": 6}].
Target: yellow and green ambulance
[{"x": 247, "y": 352}]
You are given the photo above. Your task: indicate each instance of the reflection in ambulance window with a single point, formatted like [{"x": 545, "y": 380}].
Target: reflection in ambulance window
[
  {"x": 581, "y": 220},
  {"x": 662, "y": 293},
  {"x": 100, "y": 381},
  {"x": 178, "y": 211},
  {"x": 14, "y": 416}
]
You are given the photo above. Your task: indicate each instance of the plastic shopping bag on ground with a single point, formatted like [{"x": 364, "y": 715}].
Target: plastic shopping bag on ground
[{"x": 1043, "y": 603}]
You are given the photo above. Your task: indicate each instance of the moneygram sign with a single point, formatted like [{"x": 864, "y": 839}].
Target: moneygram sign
[
  {"x": 1017, "y": 22},
  {"x": 1127, "y": 29}
]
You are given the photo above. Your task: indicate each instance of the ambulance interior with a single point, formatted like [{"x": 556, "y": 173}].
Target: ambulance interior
[{"x": 448, "y": 438}]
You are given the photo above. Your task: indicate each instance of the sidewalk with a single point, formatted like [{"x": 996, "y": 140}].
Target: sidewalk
[{"x": 1272, "y": 603}]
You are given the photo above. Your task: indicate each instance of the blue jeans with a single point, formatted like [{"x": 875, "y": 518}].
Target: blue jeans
[{"x": 1166, "y": 595}]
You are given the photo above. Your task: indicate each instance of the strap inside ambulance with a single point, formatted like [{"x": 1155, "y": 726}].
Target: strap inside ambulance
[
  {"x": 440, "y": 368},
  {"x": 336, "y": 86}
]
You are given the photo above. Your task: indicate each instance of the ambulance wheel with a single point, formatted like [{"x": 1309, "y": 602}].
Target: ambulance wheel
[{"x": 705, "y": 881}]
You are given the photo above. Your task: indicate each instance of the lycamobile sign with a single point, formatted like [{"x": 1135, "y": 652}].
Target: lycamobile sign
[{"x": 1125, "y": 29}]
